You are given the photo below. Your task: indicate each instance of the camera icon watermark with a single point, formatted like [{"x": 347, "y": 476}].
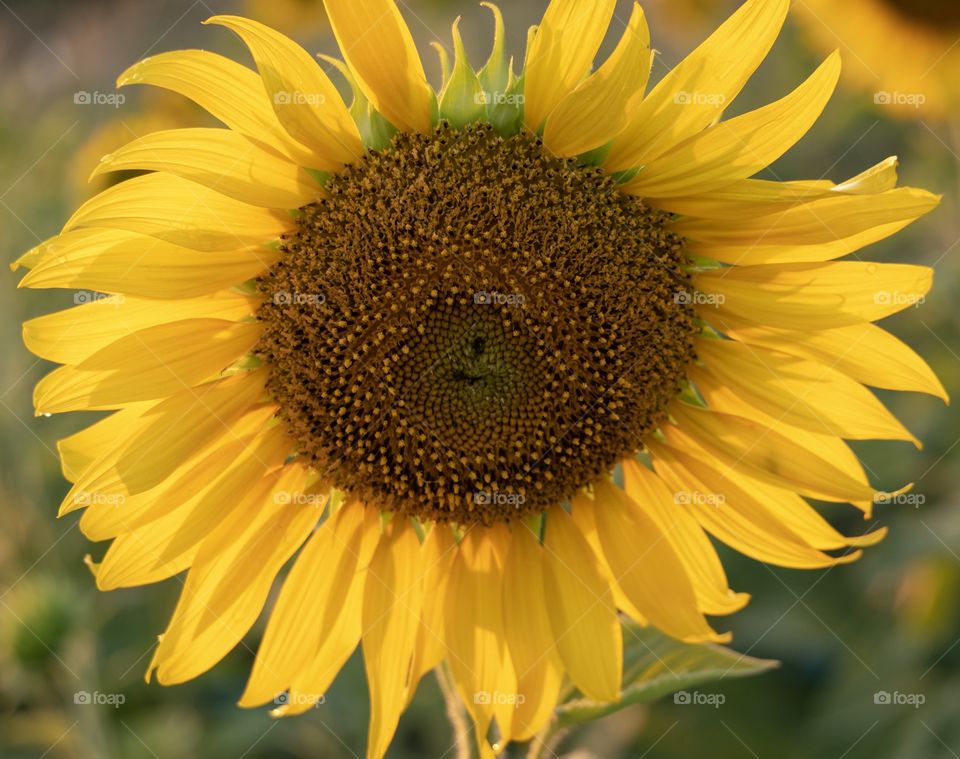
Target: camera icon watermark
[
  {"x": 496, "y": 498},
  {"x": 900, "y": 499},
  {"x": 299, "y": 699},
  {"x": 483, "y": 298},
  {"x": 82, "y": 297},
  {"x": 84, "y": 498},
  {"x": 713, "y": 99},
  {"x": 285, "y": 97},
  {"x": 909, "y": 99},
  {"x": 499, "y": 98},
  {"x": 886, "y": 698},
  {"x": 697, "y": 498},
  {"x": 696, "y": 698},
  {"x": 298, "y": 498},
  {"x": 897, "y": 298},
  {"x": 114, "y": 99},
  {"x": 486, "y": 698},
  {"x": 284, "y": 298},
  {"x": 697, "y": 298},
  {"x": 96, "y": 698}
]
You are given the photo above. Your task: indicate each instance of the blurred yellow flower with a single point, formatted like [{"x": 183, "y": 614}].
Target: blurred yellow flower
[
  {"x": 903, "y": 52},
  {"x": 525, "y": 345}
]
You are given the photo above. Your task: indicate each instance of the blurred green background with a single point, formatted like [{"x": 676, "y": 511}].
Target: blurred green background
[{"x": 888, "y": 623}]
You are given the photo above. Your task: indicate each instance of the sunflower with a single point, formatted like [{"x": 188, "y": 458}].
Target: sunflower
[
  {"x": 519, "y": 348},
  {"x": 904, "y": 52}
]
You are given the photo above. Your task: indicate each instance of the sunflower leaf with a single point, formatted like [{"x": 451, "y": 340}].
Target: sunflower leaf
[{"x": 655, "y": 666}]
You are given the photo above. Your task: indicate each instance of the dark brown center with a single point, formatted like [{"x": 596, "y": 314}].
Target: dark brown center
[
  {"x": 470, "y": 330},
  {"x": 943, "y": 15}
]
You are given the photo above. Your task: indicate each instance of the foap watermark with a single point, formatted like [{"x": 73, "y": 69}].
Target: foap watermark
[
  {"x": 886, "y": 698},
  {"x": 897, "y": 298},
  {"x": 86, "y": 698},
  {"x": 900, "y": 499},
  {"x": 499, "y": 98},
  {"x": 88, "y": 296},
  {"x": 697, "y": 298},
  {"x": 299, "y": 699},
  {"x": 298, "y": 498},
  {"x": 299, "y": 299},
  {"x": 699, "y": 98},
  {"x": 113, "y": 99},
  {"x": 498, "y": 299},
  {"x": 84, "y": 498},
  {"x": 496, "y": 498},
  {"x": 696, "y": 498},
  {"x": 696, "y": 698},
  {"x": 496, "y": 698},
  {"x": 294, "y": 97},
  {"x": 909, "y": 99}
]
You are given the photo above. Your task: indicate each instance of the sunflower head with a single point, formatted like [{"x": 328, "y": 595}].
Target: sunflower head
[
  {"x": 494, "y": 361},
  {"x": 470, "y": 329}
]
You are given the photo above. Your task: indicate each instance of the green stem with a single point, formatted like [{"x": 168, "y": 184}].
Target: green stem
[
  {"x": 455, "y": 712},
  {"x": 546, "y": 741}
]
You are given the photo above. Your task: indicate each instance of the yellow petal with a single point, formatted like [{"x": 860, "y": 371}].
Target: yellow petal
[
  {"x": 598, "y": 109},
  {"x": 70, "y": 336},
  {"x": 582, "y": 614},
  {"x": 820, "y": 230},
  {"x": 303, "y": 97},
  {"x": 740, "y": 147},
  {"x": 225, "y": 591},
  {"x": 108, "y": 515},
  {"x": 646, "y": 565},
  {"x": 865, "y": 352},
  {"x": 145, "y": 455},
  {"x": 766, "y": 453},
  {"x": 795, "y": 391},
  {"x": 392, "y": 600},
  {"x": 751, "y": 197},
  {"x": 561, "y": 54},
  {"x": 813, "y": 296},
  {"x": 694, "y": 94},
  {"x": 529, "y": 635},
  {"x": 80, "y": 450},
  {"x": 801, "y": 518},
  {"x": 229, "y": 91},
  {"x": 876, "y": 179},
  {"x": 222, "y": 160},
  {"x": 691, "y": 545},
  {"x": 115, "y": 261},
  {"x": 732, "y": 515},
  {"x": 378, "y": 47},
  {"x": 162, "y": 543},
  {"x": 309, "y": 603},
  {"x": 477, "y": 651},
  {"x": 825, "y": 445},
  {"x": 439, "y": 551},
  {"x": 151, "y": 363},
  {"x": 342, "y": 627},
  {"x": 181, "y": 212}
]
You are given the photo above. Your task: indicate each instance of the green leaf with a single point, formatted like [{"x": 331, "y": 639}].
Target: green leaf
[{"x": 655, "y": 665}]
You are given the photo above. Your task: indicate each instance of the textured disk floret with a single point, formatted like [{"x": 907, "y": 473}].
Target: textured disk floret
[{"x": 468, "y": 329}]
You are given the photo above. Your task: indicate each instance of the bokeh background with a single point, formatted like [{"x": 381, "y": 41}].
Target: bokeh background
[{"x": 888, "y": 623}]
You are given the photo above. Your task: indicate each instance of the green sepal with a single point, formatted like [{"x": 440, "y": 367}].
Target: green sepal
[
  {"x": 463, "y": 100},
  {"x": 495, "y": 74}
]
